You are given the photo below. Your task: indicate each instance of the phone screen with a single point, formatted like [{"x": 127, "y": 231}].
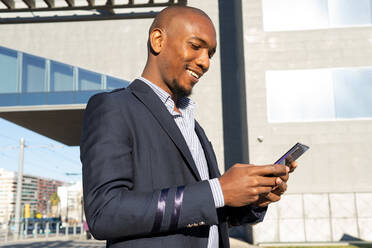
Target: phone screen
[{"x": 294, "y": 153}]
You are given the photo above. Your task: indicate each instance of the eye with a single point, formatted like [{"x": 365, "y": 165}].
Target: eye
[{"x": 195, "y": 46}]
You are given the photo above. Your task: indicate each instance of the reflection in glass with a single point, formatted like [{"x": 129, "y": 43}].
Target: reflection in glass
[
  {"x": 89, "y": 80},
  {"x": 8, "y": 71},
  {"x": 35, "y": 98},
  {"x": 346, "y": 12},
  {"x": 62, "y": 97},
  {"x": 61, "y": 77},
  {"x": 33, "y": 74},
  {"x": 83, "y": 96},
  {"x": 281, "y": 15},
  {"x": 115, "y": 83},
  {"x": 353, "y": 93},
  {"x": 299, "y": 95}
]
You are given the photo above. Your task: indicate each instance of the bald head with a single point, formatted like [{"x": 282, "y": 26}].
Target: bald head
[{"x": 167, "y": 16}]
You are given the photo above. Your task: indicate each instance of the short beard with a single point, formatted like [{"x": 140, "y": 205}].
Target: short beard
[{"x": 178, "y": 91}]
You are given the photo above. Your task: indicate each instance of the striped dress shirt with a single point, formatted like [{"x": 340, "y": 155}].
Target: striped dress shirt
[{"x": 186, "y": 123}]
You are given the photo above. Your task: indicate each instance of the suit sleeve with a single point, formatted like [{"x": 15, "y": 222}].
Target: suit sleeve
[
  {"x": 113, "y": 208},
  {"x": 235, "y": 215}
]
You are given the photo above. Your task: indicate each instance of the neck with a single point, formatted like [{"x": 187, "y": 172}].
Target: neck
[{"x": 154, "y": 77}]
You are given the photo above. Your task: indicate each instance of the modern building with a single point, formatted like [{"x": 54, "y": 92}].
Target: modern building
[
  {"x": 284, "y": 72},
  {"x": 8, "y": 188}
]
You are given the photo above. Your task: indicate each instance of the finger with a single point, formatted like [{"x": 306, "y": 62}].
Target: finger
[
  {"x": 282, "y": 186},
  {"x": 243, "y": 165},
  {"x": 263, "y": 204},
  {"x": 278, "y": 190},
  {"x": 272, "y": 169},
  {"x": 262, "y": 190},
  {"x": 272, "y": 197},
  {"x": 285, "y": 178},
  {"x": 265, "y": 181},
  {"x": 293, "y": 166}
]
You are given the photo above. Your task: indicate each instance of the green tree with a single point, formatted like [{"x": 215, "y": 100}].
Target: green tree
[{"x": 54, "y": 199}]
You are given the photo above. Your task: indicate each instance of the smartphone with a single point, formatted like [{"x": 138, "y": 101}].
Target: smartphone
[{"x": 294, "y": 153}]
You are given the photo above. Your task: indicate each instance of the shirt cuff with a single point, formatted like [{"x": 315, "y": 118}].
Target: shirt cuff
[{"x": 219, "y": 201}]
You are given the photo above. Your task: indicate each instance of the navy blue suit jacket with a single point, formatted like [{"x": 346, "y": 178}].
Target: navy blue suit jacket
[{"x": 141, "y": 185}]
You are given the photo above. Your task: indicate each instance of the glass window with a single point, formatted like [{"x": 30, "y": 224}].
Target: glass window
[
  {"x": 353, "y": 93},
  {"x": 346, "y": 12},
  {"x": 33, "y": 74},
  {"x": 314, "y": 95},
  {"x": 299, "y": 95},
  {"x": 89, "y": 80},
  {"x": 281, "y": 15},
  {"x": 114, "y": 83},
  {"x": 8, "y": 71},
  {"x": 61, "y": 77}
]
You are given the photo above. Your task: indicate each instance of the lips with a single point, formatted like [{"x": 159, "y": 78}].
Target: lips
[{"x": 192, "y": 73}]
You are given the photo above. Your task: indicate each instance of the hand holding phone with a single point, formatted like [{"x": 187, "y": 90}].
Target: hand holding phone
[{"x": 293, "y": 154}]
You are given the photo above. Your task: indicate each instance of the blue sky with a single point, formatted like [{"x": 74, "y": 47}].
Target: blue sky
[{"x": 42, "y": 157}]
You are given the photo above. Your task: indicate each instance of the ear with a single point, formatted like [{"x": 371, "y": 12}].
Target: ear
[{"x": 157, "y": 40}]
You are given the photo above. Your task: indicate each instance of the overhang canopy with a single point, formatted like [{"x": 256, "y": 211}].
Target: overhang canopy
[
  {"x": 34, "y": 11},
  {"x": 60, "y": 123}
]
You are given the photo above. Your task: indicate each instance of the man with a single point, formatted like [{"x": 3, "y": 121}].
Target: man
[{"x": 150, "y": 175}]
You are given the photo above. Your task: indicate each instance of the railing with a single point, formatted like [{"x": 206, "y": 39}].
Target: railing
[
  {"x": 318, "y": 217},
  {"x": 44, "y": 229}
]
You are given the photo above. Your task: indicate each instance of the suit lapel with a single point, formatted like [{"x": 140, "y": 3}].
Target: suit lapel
[
  {"x": 149, "y": 98},
  {"x": 208, "y": 151}
]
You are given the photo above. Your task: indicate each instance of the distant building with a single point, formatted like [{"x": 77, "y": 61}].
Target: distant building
[
  {"x": 46, "y": 188},
  {"x": 71, "y": 202},
  {"x": 36, "y": 191}
]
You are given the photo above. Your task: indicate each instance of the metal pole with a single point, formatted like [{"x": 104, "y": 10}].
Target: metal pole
[
  {"x": 46, "y": 232},
  {"x": 330, "y": 217},
  {"x": 74, "y": 229},
  {"x": 66, "y": 231},
  {"x": 57, "y": 229},
  {"x": 19, "y": 189},
  {"x": 35, "y": 229},
  {"x": 26, "y": 224}
]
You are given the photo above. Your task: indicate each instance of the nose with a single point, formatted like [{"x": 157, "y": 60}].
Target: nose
[{"x": 203, "y": 60}]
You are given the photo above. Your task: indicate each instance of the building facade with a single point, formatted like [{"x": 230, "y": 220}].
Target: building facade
[
  {"x": 8, "y": 189},
  {"x": 308, "y": 68}
]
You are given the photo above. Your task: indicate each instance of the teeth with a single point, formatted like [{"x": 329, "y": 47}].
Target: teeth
[{"x": 193, "y": 74}]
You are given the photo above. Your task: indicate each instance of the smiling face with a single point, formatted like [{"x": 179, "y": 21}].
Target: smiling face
[{"x": 183, "y": 51}]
